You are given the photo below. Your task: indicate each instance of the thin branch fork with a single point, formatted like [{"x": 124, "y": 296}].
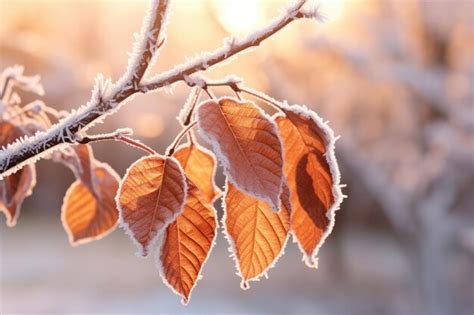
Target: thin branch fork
[{"x": 107, "y": 102}]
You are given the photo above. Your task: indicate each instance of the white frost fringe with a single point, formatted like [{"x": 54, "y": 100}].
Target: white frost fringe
[
  {"x": 244, "y": 284},
  {"x": 124, "y": 225},
  {"x": 38, "y": 141},
  {"x": 312, "y": 260}
]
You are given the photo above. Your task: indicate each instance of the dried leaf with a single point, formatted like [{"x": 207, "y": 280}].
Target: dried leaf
[
  {"x": 313, "y": 177},
  {"x": 187, "y": 243},
  {"x": 199, "y": 165},
  {"x": 88, "y": 214},
  {"x": 151, "y": 195},
  {"x": 257, "y": 234},
  {"x": 247, "y": 143},
  {"x": 16, "y": 187}
]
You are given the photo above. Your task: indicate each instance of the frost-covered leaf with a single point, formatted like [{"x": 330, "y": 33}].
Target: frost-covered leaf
[
  {"x": 187, "y": 243},
  {"x": 256, "y": 233},
  {"x": 151, "y": 195},
  {"x": 246, "y": 141},
  {"x": 313, "y": 177},
  {"x": 88, "y": 214},
  {"x": 16, "y": 187},
  {"x": 199, "y": 165}
]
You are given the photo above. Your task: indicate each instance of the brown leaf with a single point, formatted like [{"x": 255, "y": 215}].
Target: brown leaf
[
  {"x": 256, "y": 233},
  {"x": 16, "y": 187},
  {"x": 199, "y": 165},
  {"x": 247, "y": 143},
  {"x": 151, "y": 195},
  {"x": 187, "y": 243},
  {"x": 313, "y": 177},
  {"x": 88, "y": 214}
]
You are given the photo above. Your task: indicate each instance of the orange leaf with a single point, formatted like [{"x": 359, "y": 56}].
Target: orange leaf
[
  {"x": 151, "y": 195},
  {"x": 247, "y": 143},
  {"x": 313, "y": 177},
  {"x": 256, "y": 233},
  {"x": 88, "y": 214},
  {"x": 199, "y": 165},
  {"x": 16, "y": 187},
  {"x": 187, "y": 243}
]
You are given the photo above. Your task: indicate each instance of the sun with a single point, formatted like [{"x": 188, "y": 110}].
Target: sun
[{"x": 238, "y": 16}]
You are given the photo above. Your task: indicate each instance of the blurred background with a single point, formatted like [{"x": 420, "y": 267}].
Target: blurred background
[{"x": 395, "y": 78}]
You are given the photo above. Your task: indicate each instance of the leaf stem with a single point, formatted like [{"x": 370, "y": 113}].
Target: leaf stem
[
  {"x": 118, "y": 135},
  {"x": 267, "y": 99},
  {"x": 196, "y": 97},
  {"x": 178, "y": 138}
]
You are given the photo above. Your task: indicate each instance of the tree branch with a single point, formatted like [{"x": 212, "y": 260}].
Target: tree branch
[{"x": 107, "y": 100}]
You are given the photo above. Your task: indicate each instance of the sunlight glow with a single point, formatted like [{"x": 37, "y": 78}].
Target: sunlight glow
[
  {"x": 333, "y": 10},
  {"x": 238, "y": 16},
  {"x": 148, "y": 125}
]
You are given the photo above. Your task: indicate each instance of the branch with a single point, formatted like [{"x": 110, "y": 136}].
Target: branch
[{"x": 106, "y": 101}]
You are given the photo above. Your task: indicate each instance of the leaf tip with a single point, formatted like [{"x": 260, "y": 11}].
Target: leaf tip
[
  {"x": 311, "y": 261},
  {"x": 244, "y": 285},
  {"x": 185, "y": 300}
]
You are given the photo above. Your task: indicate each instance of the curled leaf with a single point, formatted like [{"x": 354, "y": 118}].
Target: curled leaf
[
  {"x": 257, "y": 234},
  {"x": 151, "y": 194},
  {"x": 84, "y": 164},
  {"x": 247, "y": 143},
  {"x": 313, "y": 177},
  {"x": 16, "y": 187},
  {"x": 199, "y": 165},
  {"x": 187, "y": 243},
  {"x": 90, "y": 214}
]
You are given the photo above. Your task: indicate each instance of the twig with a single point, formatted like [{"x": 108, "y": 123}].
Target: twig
[
  {"x": 194, "y": 101},
  {"x": 179, "y": 137},
  {"x": 235, "y": 84},
  {"x": 100, "y": 106},
  {"x": 118, "y": 135},
  {"x": 267, "y": 99}
]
